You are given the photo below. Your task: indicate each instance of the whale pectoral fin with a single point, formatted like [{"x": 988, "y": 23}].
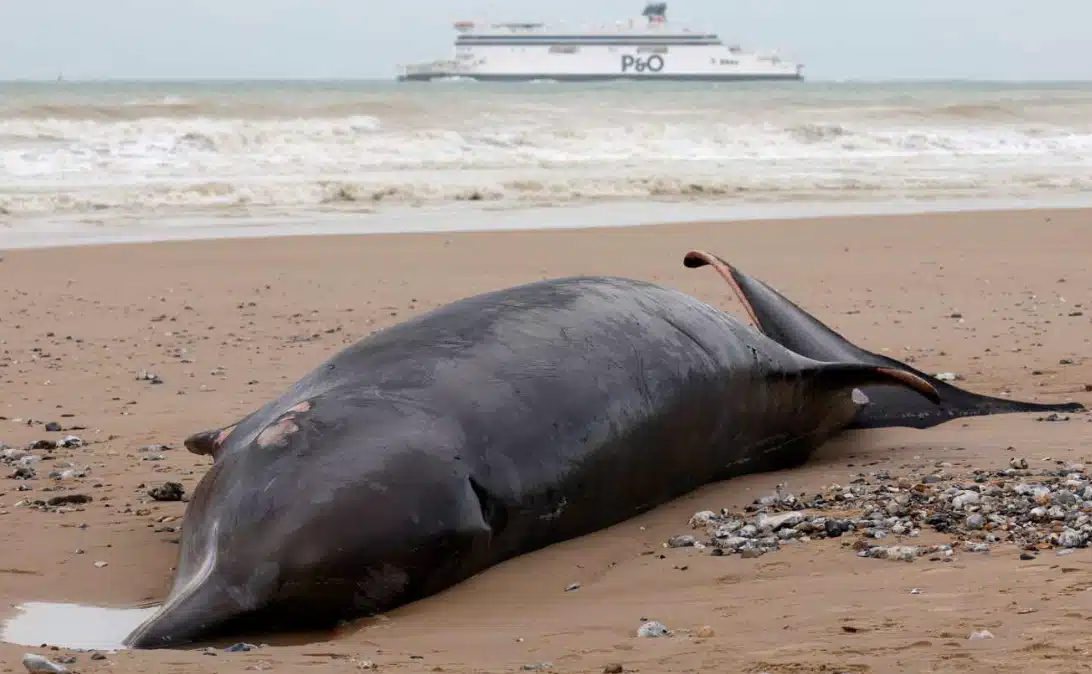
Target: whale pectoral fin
[
  {"x": 208, "y": 443},
  {"x": 888, "y": 406},
  {"x": 493, "y": 512}
]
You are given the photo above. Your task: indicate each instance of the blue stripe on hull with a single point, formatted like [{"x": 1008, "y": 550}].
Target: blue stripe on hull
[{"x": 604, "y": 77}]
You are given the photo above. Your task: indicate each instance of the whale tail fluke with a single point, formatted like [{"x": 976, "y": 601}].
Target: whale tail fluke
[{"x": 888, "y": 406}]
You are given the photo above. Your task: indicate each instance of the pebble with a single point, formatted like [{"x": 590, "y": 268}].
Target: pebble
[
  {"x": 980, "y": 634},
  {"x": 149, "y": 377},
  {"x": 880, "y": 512},
  {"x": 652, "y": 628},
  {"x": 682, "y": 541},
  {"x": 37, "y": 663},
  {"x": 168, "y": 491}
]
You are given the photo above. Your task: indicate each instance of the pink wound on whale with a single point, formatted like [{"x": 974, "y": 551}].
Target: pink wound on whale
[
  {"x": 277, "y": 432},
  {"x": 222, "y": 435}
]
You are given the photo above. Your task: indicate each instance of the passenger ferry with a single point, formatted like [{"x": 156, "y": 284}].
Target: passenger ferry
[{"x": 645, "y": 48}]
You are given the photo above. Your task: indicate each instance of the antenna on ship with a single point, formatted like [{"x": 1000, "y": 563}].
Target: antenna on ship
[{"x": 656, "y": 12}]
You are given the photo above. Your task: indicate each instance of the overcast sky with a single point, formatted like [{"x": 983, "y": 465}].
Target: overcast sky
[{"x": 836, "y": 39}]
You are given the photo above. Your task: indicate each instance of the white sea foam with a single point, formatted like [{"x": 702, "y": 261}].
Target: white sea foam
[{"x": 99, "y": 153}]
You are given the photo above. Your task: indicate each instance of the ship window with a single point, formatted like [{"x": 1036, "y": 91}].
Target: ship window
[
  {"x": 652, "y": 50},
  {"x": 729, "y": 62},
  {"x": 564, "y": 49}
]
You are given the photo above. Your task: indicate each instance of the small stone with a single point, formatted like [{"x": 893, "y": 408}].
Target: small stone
[
  {"x": 150, "y": 377},
  {"x": 1070, "y": 539},
  {"x": 965, "y": 499},
  {"x": 684, "y": 541},
  {"x": 69, "y": 499},
  {"x": 53, "y": 427},
  {"x": 775, "y": 522},
  {"x": 101, "y": 565},
  {"x": 572, "y": 586},
  {"x": 37, "y": 663},
  {"x": 704, "y": 632},
  {"x": 980, "y": 634},
  {"x": 240, "y": 647},
  {"x": 701, "y": 519},
  {"x": 835, "y": 528},
  {"x": 652, "y": 628},
  {"x": 613, "y": 668},
  {"x": 732, "y": 543},
  {"x": 903, "y": 553},
  {"x": 168, "y": 491}
]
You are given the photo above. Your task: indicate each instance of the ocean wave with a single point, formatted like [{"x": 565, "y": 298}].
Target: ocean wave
[
  {"x": 779, "y": 182},
  {"x": 154, "y": 152}
]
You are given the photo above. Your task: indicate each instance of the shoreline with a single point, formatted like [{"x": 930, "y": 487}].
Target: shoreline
[{"x": 45, "y": 233}]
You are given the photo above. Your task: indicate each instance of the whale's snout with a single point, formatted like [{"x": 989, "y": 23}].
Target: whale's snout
[{"x": 185, "y": 618}]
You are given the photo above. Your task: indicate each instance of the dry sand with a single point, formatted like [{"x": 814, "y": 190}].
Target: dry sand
[{"x": 229, "y": 324}]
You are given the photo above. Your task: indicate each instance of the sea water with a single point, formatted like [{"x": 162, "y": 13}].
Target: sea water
[
  {"x": 124, "y": 158},
  {"x": 72, "y": 626}
]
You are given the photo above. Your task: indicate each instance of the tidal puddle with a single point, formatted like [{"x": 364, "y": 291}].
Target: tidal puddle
[{"x": 72, "y": 626}]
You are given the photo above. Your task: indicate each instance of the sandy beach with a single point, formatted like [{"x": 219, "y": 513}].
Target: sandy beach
[{"x": 1004, "y": 299}]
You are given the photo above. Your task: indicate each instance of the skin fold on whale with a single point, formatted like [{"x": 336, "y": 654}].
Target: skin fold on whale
[
  {"x": 480, "y": 431},
  {"x": 888, "y": 406}
]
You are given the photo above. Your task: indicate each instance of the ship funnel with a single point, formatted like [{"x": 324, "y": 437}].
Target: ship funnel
[{"x": 655, "y": 11}]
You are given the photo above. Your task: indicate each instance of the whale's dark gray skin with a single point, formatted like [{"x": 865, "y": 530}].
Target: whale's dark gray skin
[
  {"x": 888, "y": 406},
  {"x": 480, "y": 431}
]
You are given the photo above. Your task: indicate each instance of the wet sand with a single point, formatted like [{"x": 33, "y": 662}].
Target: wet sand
[{"x": 226, "y": 325}]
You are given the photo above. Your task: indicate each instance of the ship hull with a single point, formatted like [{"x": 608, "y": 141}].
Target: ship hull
[{"x": 603, "y": 77}]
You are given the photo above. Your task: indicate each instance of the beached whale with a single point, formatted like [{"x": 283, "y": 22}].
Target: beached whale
[{"x": 486, "y": 429}]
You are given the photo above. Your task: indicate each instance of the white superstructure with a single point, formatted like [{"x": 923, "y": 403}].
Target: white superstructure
[{"x": 647, "y": 48}]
